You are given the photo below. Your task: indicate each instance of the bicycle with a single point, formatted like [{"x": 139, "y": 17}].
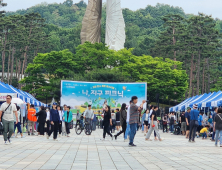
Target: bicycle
[{"x": 87, "y": 128}]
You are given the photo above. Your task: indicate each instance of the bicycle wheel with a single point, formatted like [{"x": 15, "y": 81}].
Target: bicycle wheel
[
  {"x": 88, "y": 129},
  {"x": 78, "y": 129}
]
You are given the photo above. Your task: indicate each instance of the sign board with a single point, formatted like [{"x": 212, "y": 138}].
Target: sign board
[
  {"x": 79, "y": 94},
  {"x": 3, "y": 96}
]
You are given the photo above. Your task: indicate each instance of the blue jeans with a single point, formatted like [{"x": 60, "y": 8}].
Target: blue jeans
[
  {"x": 171, "y": 127},
  {"x": 127, "y": 133},
  {"x": 36, "y": 126},
  {"x": 133, "y": 128},
  {"x": 217, "y": 136},
  {"x": 204, "y": 135},
  {"x": 213, "y": 135},
  {"x": 193, "y": 129}
]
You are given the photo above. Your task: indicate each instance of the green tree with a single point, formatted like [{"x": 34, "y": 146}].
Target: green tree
[{"x": 161, "y": 76}]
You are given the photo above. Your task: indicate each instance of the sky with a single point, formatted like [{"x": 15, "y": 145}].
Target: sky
[{"x": 209, "y": 7}]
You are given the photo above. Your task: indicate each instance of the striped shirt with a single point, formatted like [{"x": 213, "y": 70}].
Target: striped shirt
[{"x": 134, "y": 114}]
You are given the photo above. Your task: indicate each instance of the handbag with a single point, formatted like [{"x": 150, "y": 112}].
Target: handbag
[{"x": 5, "y": 111}]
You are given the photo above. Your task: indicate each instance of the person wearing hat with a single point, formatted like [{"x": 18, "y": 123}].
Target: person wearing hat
[
  {"x": 187, "y": 118},
  {"x": 54, "y": 120},
  {"x": 193, "y": 122}
]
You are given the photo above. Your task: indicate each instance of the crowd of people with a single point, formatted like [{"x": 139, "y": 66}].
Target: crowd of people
[
  {"x": 127, "y": 121},
  {"x": 44, "y": 123}
]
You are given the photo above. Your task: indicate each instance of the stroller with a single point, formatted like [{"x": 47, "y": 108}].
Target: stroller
[{"x": 177, "y": 129}]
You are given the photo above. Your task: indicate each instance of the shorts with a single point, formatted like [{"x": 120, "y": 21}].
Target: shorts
[
  {"x": 145, "y": 123},
  {"x": 199, "y": 128},
  {"x": 188, "y": 127},
  {"x": 183, "y": 126},
  {"x": 117, "y": 123}
]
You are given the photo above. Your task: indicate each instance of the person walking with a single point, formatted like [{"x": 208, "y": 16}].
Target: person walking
[
  {"x": 18, "y": 125},
  {"x": 153, "y": 125},
  {"x": 123, "y": 115},
  {"x": 63, "y": 122},
  {"x": 164, "y": 119},
  {"x": 107, "y": 122},
  {"x": 145, "y": 119},
  {"x": 113, "y": 117},
  {"x": 89, "y": 115},
  {"x": 47, "y": 120},
  {"x": 187, "y": 118},
  {"x": 218, "y": 126},
  {"x": 77, "y": 117},
  {"x": 183, "y": 123},
  {"x": 61, "y": 113},
  {"x": 54, "y": 120},
  {"x": 134, "y": 118},
  {"x": 193, "y": 123},
  {"x": 7, "y": 112},
  {"x": 41, "y": 119},
  {"x": 213, "y": 117},
  {"x": 117, "y": 120},
  {"x": 67, "y": 117},
  {"x": 31, "y": 119},
  {"x": 149, "y": 122},
  {"x": 127, "y": 133}
]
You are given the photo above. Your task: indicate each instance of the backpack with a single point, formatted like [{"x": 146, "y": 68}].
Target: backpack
[{"x": 172, "y": 120}]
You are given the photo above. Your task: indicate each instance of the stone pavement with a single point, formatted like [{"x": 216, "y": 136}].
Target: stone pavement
[{"x": 88, "y": 152}]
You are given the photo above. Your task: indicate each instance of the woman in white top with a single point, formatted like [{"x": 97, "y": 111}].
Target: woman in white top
[
  {"x": 18, "y": 125},
  {"x": 61, "y": 113},
  {"x": 146, "y": 119}
]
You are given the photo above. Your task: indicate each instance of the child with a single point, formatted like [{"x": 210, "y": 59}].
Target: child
[{"x": 203, "y": 131}]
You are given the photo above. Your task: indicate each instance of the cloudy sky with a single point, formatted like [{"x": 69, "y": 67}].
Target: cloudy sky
[{"x": 209, "y": 7}]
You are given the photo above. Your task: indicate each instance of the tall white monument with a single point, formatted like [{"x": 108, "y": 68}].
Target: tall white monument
[{"x": 115, "y": 25}]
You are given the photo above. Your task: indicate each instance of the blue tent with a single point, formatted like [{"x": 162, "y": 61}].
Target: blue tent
[
  {"x": 4, "y": 89},
  {"x": 212, "y": 100}
]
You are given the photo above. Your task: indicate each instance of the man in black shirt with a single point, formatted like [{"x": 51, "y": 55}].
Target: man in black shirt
[{"x": 183, "y": 123}]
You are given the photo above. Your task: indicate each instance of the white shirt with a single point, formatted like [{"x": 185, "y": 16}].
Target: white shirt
[
  {"x": 61, "y": 114},
  {"x": 9, "y": 113},
  {"x": 48, "y": 115},
  {"x": 18, "y": 116},
  {"x": 149, "y": 119},
  {"x": 128, "y": 114},
  {"x": 89, "y": 114},
  {"x": 146, "y": 118}
]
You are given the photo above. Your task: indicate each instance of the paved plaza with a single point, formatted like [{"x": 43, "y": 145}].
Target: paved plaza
[{"x": 88, "y": 152}]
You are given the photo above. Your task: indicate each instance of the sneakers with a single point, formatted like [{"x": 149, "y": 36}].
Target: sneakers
[
  {"x": 126, "y": 140},
  {"x": 193, "y": 141},
  {"x": 47, "y": 136},
  {"x": 112, "y": 137},
  {"x": 115, "y": 137},
  {"x": 59, "y": 135},
  {"x": 132, "y": 145},
  {"x": 102, "y": 139},
  {"x": 216, "y": 145},
  {"x": 189, "y": 140},
  {"x": 56, "y": 139},
  {"x": 6, "y": 143},
  {"x": 9, "y": 141}
]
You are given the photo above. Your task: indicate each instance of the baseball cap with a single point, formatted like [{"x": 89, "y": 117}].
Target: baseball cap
[
  {"x": 188, "y": 108},
  {"x": 54, "y": 104},
  {"x": 195, "y": 106}
]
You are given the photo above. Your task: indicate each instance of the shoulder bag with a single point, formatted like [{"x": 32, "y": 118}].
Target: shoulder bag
[{"x": 5, "y": 111}]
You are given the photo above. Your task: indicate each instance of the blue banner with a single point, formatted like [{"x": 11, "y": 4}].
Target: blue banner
[{"x": 79, "y": 94}]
